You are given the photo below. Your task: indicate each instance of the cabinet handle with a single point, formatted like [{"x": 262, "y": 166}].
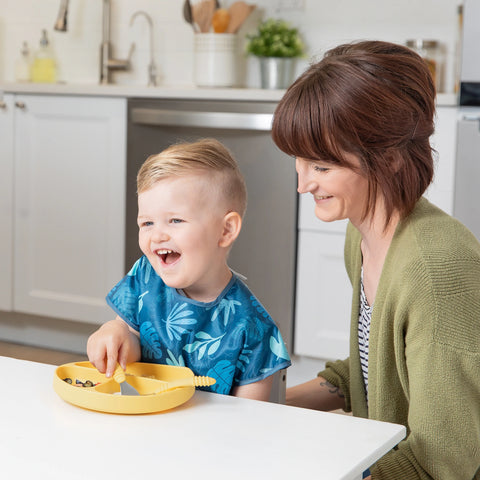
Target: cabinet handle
[
  {"x": 471, "y": 117},
  {"x": 20, "y": 104}
]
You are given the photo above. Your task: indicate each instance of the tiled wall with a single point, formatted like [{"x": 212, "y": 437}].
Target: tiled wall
[{"x": 323, "y": 23}]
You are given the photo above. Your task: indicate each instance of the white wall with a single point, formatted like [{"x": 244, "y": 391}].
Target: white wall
[{"x": 323, "y": 23}]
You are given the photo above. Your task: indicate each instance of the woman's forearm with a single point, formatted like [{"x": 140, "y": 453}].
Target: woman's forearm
[{"x": 317, "y": 394}]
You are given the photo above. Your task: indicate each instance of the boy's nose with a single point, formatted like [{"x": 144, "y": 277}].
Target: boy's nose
[{"x": 160, "y": 235}]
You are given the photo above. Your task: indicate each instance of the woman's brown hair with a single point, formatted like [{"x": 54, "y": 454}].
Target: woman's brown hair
[{"x": 375, "y": 100}]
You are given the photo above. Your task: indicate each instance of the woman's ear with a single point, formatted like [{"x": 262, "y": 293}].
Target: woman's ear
[{"x": 232, "y": 224}]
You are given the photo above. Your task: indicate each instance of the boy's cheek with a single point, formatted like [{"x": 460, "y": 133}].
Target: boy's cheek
[{"x": 143, "y": 244}]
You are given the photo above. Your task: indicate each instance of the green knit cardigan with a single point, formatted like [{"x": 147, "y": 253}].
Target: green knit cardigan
[{"x": 424, "y": 350}]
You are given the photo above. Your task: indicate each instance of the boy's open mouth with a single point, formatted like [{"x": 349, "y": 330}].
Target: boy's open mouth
[{"x": 168, "y": 256}]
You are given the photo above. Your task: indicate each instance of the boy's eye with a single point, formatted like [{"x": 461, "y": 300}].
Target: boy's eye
[
  {"x": 146, "y": 224},
  {"x": 176, "y": 220}
]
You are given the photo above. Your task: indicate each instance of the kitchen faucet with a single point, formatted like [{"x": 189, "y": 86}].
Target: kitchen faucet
[
  {"x": 107, "y": 62},
  {"x": 152, "y": 69},
  {"x": 61, "y": 23}
]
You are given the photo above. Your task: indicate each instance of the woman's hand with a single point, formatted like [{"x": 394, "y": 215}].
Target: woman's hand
[{"x": 114, "y": 342}]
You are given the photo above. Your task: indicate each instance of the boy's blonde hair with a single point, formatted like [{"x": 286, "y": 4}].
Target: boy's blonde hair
[{"x": 205, "y": 155}]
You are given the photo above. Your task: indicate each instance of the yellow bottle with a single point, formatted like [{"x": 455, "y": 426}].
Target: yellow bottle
[{"x": 44, "y": 68}]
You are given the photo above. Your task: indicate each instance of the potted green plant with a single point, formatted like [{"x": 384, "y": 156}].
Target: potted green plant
[{"x": 277, "y": 45}]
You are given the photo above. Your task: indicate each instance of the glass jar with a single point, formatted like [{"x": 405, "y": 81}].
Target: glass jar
[{"x": 432, "y": 52}]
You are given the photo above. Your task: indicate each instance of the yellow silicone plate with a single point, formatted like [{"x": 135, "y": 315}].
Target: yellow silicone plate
[{"x": 105, "y": 396}]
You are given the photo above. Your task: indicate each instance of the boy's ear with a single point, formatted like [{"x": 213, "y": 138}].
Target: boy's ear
[{"x": 232, "y": 224}]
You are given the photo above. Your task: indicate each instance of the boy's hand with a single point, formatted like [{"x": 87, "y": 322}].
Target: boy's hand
[{"x": 113, "y": 343}]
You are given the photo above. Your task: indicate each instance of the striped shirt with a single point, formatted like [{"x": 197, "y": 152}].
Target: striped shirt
[{"x": 364, "y": 319}]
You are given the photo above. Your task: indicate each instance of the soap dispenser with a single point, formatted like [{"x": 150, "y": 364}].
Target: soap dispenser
[
  {"x": 44, "y": 69},
  {"x": 22, "y": 65}
]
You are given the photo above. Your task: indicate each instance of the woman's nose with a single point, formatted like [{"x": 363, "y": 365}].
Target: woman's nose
[{"x": 305, "y": 183}]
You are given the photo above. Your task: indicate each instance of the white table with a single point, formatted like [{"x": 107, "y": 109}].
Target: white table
[{"x": 211, "y": 436}]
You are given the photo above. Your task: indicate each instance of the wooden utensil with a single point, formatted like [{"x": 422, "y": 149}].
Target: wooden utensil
[
  {"x": 202, "y": 13},
  {"x": 238, "y": 11},
  {"x": 220, "y": 20}
]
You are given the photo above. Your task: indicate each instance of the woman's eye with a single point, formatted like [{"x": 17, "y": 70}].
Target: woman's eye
[{"x": 318, "y": 168}]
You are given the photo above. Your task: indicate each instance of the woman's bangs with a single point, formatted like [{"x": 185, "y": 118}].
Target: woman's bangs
[{"x": 300, "y": 127}]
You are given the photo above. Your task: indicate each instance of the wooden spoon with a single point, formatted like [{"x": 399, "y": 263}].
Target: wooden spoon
[
  {"x": 202, "y": 13},
  {"x": 239, "y": 11}
]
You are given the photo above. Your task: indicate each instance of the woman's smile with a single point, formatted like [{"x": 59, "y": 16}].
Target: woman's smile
[{"x": 320, "y": 198}]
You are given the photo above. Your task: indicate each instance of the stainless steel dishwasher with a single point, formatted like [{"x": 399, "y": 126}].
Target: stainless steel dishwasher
[{"x": 265, "y": 251}]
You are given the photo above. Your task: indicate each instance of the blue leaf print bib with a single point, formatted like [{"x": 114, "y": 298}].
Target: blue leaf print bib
[{"x": 232, "y": 339}]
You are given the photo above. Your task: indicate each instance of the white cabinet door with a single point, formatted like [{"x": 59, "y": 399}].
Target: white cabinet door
[
  {"x": 6, "y": 201},
  {"x": 444, "y": 141},
  {"x": 324, "y": 296},
  {"x": 69, "y": 205}
]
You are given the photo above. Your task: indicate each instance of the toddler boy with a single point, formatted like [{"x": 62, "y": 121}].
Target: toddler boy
[{"x": 181, "y": 304}]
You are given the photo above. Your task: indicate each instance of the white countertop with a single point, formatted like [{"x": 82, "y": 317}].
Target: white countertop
[
  {"x": 214, "y": 436},
  {"x": 252, "y": 94},
  {"x": 128, "y": 91}
]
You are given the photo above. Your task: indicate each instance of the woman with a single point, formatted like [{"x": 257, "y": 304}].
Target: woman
[{"x": 358, "y": 123}]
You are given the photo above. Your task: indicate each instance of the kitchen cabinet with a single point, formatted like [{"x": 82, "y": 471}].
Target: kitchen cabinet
[
  {"x": 6, "y": 201},
  {"x": 323, "y": 293},
  {"x": 323, "y": 296},
  {"x": 69, "y": 203}
]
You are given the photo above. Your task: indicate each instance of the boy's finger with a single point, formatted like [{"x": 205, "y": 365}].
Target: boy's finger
[
  {"x": 99, "y": 365},
  {"x": 111, "y": 365},
  {"x": 122, "y": 357}
]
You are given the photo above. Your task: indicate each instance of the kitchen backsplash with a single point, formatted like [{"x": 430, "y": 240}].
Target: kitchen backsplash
[{"x": 323, "y": 24}]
